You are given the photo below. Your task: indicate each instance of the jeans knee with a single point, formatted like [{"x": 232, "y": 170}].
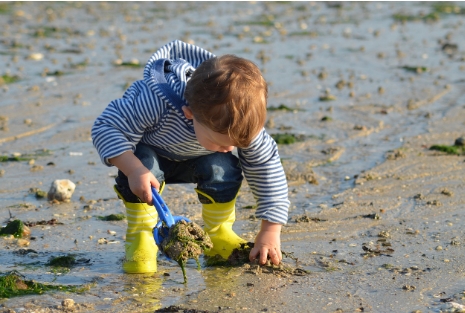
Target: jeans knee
[
  {"x": 220, "y": 167},
  {"x": 220, "y": 176}
]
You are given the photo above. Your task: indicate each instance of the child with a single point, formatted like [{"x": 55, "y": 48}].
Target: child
[{"x": 179, "y": 125}]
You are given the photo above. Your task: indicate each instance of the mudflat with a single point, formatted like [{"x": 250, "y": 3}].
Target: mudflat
[{"x": 367, "y": 98}]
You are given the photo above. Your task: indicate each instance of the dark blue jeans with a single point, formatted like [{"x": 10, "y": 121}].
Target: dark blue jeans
[{"x": 219, "y": 175}]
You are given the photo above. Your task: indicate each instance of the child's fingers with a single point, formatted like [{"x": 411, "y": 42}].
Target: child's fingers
[
  {"x": 263, "y": 253},
  {"x": 275, "y": 256},
  {"x": 147, "y": 197},
  {"x": 253, "y": 254}
]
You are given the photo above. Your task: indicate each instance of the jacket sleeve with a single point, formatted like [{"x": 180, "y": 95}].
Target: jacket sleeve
[
  {"x": 265, "y": 175},
  {"x": 122, "y": 124}
]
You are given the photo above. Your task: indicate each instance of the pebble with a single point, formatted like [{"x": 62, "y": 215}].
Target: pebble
[
  {"x": 36, "y": 56},
  {"x": 460, "y": 141},
  {"x": 61, "y": 190},
  {"x": 23, "y": 242},
  {"x": 67, "y": 303}
]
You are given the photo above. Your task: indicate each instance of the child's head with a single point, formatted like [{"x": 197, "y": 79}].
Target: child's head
[{"x": 227, "y": 94}]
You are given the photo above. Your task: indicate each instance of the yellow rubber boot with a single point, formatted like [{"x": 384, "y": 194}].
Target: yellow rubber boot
[
  {"x": 141, "y": 250},
  {"x": 219, "y": 219}
]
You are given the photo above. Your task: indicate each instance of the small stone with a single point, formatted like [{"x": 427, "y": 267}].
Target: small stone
[
  {"x": 61, "y": 190},
  {"x": 460, "y": 141},
  {"x": 447, "y": 192},
  {"x": 67, "y": 303},
  {"x": 23, "y": 242},
  {"x": 36, "y": 56},
  {"x": 384, "y": 234},
  {"x": 409, "y": 287}
]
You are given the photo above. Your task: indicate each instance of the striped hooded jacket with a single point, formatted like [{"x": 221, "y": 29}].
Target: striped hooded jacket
[{"x": 150, "y": 112}]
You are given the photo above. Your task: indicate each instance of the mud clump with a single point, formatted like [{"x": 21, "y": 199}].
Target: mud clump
[
  {"x": 240, "y": 258},
  {"x": 177, "y": 309},
  {"x": 186, "y": 240},
  {"x": 63, "y": 261}
]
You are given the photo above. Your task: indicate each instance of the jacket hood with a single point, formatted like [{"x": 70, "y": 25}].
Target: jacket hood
[{"x": 170, "y": 67}]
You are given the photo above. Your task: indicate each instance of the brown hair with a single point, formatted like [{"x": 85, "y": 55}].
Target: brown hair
[{"x": 227, "y": 94}]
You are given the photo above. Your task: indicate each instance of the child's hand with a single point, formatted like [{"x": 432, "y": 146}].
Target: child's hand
[
  {"x": 141, "y": 181},
  {"x": 139, "y": 177},
  {"x": 267, "y": 243}
]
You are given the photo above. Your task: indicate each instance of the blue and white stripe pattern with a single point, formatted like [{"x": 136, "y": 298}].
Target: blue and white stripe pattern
[{"x": 150, "y": 112}]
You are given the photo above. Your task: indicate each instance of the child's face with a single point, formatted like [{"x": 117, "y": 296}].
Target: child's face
[{"x": 207, "y": 138}]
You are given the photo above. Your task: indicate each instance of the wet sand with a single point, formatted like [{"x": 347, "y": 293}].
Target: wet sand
[{"x": 380, "y": 215}]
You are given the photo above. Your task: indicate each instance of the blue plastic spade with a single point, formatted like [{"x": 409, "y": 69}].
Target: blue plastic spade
[{"x": 167, "y": 220}]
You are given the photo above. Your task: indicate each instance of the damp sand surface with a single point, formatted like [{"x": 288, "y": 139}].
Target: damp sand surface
[{"x": 365, "y": 89}]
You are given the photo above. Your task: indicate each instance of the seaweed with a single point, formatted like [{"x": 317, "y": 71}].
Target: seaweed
[
  {"x": 265, "y": 20},
  {"x": 67, "y": 261},
  {"x": 415, "y": 69},
  {"x": 8, "y": 79},
  {"x": 25, "y": 157},
  {"x": 39, "y": 194},
  {"x": 327, "y": 97},
  {"x": 15, "y": 228},
  {"x": 112, "y": 217},
  {"x": 177, "y": 309},
  {"x": 447, "y": 8},
  {"x": 431, "y": 17},
  {"x": 13, "y": 284},
  {"x": 326, "y": 119},
  {"x": 63, "y": 264},
  {"x": 311, "y": 34},
  {"x": 286, "y": 138},
  {"x": 53, "y": 31},
  {"x": 455, "y": 149},
  {"x": 238, "y": 257},
  {"x": 56, "y": 73},
  {"x": 5, "y": 7},
  {"x": 53, "y": 221},
  {"x": 281, "y": 107},
  {"x": 185, "y": 240}
]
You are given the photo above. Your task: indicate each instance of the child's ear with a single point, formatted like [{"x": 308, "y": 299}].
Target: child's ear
[{"x": 187, "y": 112}]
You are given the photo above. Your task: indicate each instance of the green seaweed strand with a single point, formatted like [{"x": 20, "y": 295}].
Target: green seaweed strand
[
  {"x": 13, "y": 284},
  {"x": 14, "y": 228},
  {"x": 457, "y": 150}
]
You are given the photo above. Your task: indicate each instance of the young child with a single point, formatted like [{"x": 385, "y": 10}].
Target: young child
[{"x": 179, "y": 124}]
